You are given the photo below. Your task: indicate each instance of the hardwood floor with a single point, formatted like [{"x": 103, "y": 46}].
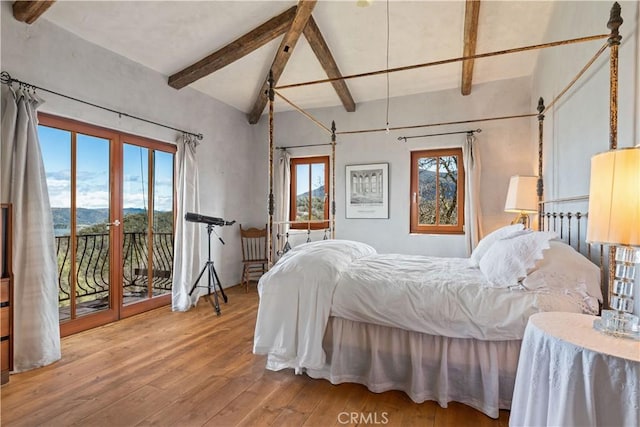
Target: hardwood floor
[{"x": 197, "y": 369}]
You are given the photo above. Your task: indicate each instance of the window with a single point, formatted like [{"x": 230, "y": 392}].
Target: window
[
  {"x": 310, "y": 192},
  {"x": 112, "y": 202},
  {"x": 437, "y": 191}
]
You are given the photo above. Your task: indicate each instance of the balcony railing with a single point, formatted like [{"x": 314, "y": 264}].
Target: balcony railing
[{"x": 92, "y": 265}]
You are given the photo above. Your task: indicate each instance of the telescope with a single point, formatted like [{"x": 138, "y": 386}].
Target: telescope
[
  {"x": 210, "y": 220},
  {"x": 212, "y": 276}
]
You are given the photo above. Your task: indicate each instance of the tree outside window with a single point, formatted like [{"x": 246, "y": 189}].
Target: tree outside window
[{"x": 437, "y": 191}]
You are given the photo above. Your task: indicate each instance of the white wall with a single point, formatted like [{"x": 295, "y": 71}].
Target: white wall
[
  {"x": 578, "y": 127},
  {"x": 505, "y": 148},
  {"x": 50, "y": 57}
]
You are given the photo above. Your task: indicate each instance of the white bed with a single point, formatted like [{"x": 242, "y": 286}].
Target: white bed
[{"x": 443, "y": 329}]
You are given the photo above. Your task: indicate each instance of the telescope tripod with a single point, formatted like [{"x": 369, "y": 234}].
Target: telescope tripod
[{"x": 213, "y": 279}]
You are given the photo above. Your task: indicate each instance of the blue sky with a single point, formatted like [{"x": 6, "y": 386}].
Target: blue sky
[
  {"x": 92, "y": 185},
  {"x": 302, "y": 177}
]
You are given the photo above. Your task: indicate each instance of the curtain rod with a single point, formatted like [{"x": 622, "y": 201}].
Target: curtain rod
[
  {"x": 471, "y": 132},
  {"x": 301, "y": 146},
  {"x": 457, "y": 122},
  {"x": 5, "y": 78}
]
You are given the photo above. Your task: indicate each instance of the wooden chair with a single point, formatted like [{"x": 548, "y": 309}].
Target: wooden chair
[{"x": 254, "y": 254}]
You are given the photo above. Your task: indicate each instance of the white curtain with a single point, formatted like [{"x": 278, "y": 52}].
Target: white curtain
[
  {"x": 283, "y": 196},
  {"x": 36, "y": 329},
  {"x": 186, "y": 253},
  {"x": 472, "y": 210}
]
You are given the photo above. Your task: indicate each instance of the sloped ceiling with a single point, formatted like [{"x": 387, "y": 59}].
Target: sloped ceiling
[{"x": 169, "y": 36}]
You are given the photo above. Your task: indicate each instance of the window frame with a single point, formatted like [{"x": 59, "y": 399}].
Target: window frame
[
  {"x": 295, "y": 161},
  {"x": 118, "y": 310},
  {"x": 415, "y": 226}
]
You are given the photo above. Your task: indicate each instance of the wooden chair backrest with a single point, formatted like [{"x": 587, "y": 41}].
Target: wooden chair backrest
[{"x": 254, "y": 243}]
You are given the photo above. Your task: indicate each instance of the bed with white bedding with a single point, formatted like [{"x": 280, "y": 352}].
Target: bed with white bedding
[{"x": 444, "y": 329}]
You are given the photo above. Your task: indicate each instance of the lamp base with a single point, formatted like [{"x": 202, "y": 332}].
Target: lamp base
[
  {"x": 618, "y": 324},
  {"x": 522, "y": 218}
]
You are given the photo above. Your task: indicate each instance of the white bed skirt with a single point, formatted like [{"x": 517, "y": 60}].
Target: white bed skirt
[{"x": 480, "y": 374}]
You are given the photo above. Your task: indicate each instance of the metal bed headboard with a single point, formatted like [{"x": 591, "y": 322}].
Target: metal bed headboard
[{"x": 568, "y": 218}]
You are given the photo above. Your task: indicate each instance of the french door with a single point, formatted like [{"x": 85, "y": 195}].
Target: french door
[
  {"x": 147, "y": 225},
  {"x": 112, "y": 200}
]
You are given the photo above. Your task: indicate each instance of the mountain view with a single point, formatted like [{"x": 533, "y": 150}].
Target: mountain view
[
  {"x": 427, "y": 180},
  {"x": 316, "y": 192},
  {"x": 85, "y": 216},
  {"x": 447, "y": 202},
  {"x": 95, "y": 220},
  {"x": 317, "y": 204}
]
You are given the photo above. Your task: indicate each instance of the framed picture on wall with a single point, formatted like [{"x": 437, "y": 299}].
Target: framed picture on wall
[{"x": 367, "y": 190}]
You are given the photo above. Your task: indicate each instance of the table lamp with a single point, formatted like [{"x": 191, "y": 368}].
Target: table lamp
[
  {"x": 521, "y": 198},
  {"x": 614, "y": 219}
]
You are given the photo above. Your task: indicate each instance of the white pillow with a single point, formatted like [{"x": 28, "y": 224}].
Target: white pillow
[
  {"x": 508, "y": 260},
  {"x": 490, "y": 239},
  {"x": 562, "y": 268}
]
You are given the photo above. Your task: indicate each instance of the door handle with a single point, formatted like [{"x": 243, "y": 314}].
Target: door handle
[{"x": 115, "y": 223}]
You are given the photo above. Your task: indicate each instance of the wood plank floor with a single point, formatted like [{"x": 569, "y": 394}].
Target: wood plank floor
[{"x": 197, "y": 369}]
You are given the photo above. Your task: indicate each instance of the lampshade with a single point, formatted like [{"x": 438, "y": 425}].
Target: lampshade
[
  {"x": 521, "y": 196},
  {"x": 614, "y": 198}
]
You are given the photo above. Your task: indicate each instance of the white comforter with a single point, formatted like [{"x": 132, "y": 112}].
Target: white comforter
[{"x": 437, "y": 296}]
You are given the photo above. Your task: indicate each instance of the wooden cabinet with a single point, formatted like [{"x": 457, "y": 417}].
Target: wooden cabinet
[{"x": 6, "y": 293}]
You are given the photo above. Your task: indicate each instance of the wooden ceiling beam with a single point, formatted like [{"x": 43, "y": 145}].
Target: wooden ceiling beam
[
  {"x": 471, "y": 13},
  {"x": 235, "y": 50},
  {"x": 30, "y": 11},
  {"x": 319, "y": 46},
  {"x": 303, "y": 13}
]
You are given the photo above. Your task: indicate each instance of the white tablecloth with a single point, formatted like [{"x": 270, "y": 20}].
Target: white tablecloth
[{"x": 572, "y": 375}]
